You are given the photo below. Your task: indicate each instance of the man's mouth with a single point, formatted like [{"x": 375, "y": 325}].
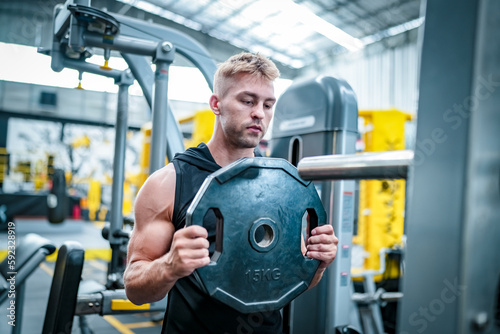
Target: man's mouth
[{"x": 254, "y": 128}]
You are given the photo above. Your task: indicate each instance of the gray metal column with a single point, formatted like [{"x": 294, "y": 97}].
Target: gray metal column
[
  {"x": 116, "y": 211},
  {"x": 340, "y": 204},
  {"x": 452, "y": 262},
  {"x": 165, "y": 57},
  {"x": 141, "y": 69}
]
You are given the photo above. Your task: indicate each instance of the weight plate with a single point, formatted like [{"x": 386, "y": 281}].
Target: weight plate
[{"x": 259, "y": 205}]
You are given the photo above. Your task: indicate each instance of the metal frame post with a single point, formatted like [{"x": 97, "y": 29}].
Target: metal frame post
[
  {"x": 164, "y": 57},
  {"x": 141, "y": 69},
  {"x": 452, "y": 260},
  {"x": 116, "y": 211},
  {"x": 340, "y": 202}
]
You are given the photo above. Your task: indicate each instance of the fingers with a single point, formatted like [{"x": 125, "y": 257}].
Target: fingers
[
  {"x": 189, "y": 250},
  {"x": 322, "y": 235},
  {"x": 191, "y": 259},
  {"x": 322, "y": 245},
  {"x": 185, "y": 241},
  {"x": 193, "y": 231},
  {"x": 191, "y": 237}
]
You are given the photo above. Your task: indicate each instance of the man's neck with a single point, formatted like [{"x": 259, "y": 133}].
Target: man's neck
[{"x": 224, "y": 155}]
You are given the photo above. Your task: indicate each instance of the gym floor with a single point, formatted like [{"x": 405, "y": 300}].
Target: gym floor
[{"x": 97, "y": 253}]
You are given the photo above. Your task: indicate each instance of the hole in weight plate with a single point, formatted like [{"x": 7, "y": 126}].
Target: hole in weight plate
[
  {"x": 213, "y": 220},
  {"x": 309, "y": 223},
  {"x": 264, "y": 235}
]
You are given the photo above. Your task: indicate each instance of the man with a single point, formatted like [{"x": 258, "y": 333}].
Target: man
[{"x": 163, "y": 253}]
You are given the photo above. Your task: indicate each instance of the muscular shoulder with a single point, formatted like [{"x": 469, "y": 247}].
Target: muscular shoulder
[
  {"x": 155, "y": 200},
  {"x": 164, "y": 177}
]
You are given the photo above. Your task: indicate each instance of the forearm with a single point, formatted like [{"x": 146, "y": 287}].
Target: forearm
[
  {"x": 147, "y": 281},
  {"x": 317, "y": 277}
]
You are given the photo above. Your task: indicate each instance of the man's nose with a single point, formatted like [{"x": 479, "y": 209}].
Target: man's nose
[{"x": 258, "y": 111}]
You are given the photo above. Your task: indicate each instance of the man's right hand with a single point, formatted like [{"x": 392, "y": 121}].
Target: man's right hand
[{"x": 188, "y": 251}]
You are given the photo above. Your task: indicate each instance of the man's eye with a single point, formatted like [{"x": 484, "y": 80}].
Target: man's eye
[{"x": 247, "y": 102}]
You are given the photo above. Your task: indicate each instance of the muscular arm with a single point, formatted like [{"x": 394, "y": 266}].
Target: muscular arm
[{"x": 157, "y": 255}]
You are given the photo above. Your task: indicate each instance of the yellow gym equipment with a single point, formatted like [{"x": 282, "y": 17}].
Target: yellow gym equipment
[
  {"x": 202, "y": 127},
  {"x": 381, "y": 202}
]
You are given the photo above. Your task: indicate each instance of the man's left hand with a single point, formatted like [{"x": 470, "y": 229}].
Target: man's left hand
[{"x": 322, "y": 245}]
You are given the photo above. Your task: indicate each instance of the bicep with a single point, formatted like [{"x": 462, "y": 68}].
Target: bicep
[
  {"x": 150, "y": 242},
  {"x": 153, "y": 228}
]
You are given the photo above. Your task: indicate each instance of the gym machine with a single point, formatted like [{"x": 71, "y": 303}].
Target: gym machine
[
  {"x": 452, "y": 279},
  {"x": 451, "y": 282},
  {"x": 77, "y": 29},
  {"x": 383, "y": 165},
  {"x": 318, "y": 117},
  {"x": 364, "y": 166}
]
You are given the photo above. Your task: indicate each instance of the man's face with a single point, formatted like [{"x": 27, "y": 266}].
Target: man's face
[{"x": 246, "y": 110}]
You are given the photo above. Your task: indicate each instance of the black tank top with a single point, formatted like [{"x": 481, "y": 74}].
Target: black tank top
[{"x": 190, "y": 310}]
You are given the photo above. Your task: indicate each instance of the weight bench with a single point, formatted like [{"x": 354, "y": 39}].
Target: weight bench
[
  {"x": 30, "y": 251},
  {"x": 70, "y": 296},
  {"x": 64, "y": 289}
]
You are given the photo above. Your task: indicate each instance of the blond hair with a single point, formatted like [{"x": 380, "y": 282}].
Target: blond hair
[{"x": 245, "y": 62}]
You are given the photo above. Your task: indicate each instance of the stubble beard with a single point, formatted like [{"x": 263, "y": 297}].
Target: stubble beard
[{"x": 242, "y": 138}]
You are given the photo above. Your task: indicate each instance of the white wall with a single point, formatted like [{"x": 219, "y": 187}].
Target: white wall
[{"x": 384, "y": 79}]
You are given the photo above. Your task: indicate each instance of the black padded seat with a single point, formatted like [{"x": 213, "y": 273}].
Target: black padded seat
[{"x": 64, "y": 289}]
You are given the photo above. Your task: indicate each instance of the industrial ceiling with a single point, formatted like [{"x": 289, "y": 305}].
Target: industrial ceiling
[{"x": 294, "y": 33}]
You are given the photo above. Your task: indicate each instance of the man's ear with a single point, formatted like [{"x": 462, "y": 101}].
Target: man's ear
[{"x": 214, "y": 104}]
